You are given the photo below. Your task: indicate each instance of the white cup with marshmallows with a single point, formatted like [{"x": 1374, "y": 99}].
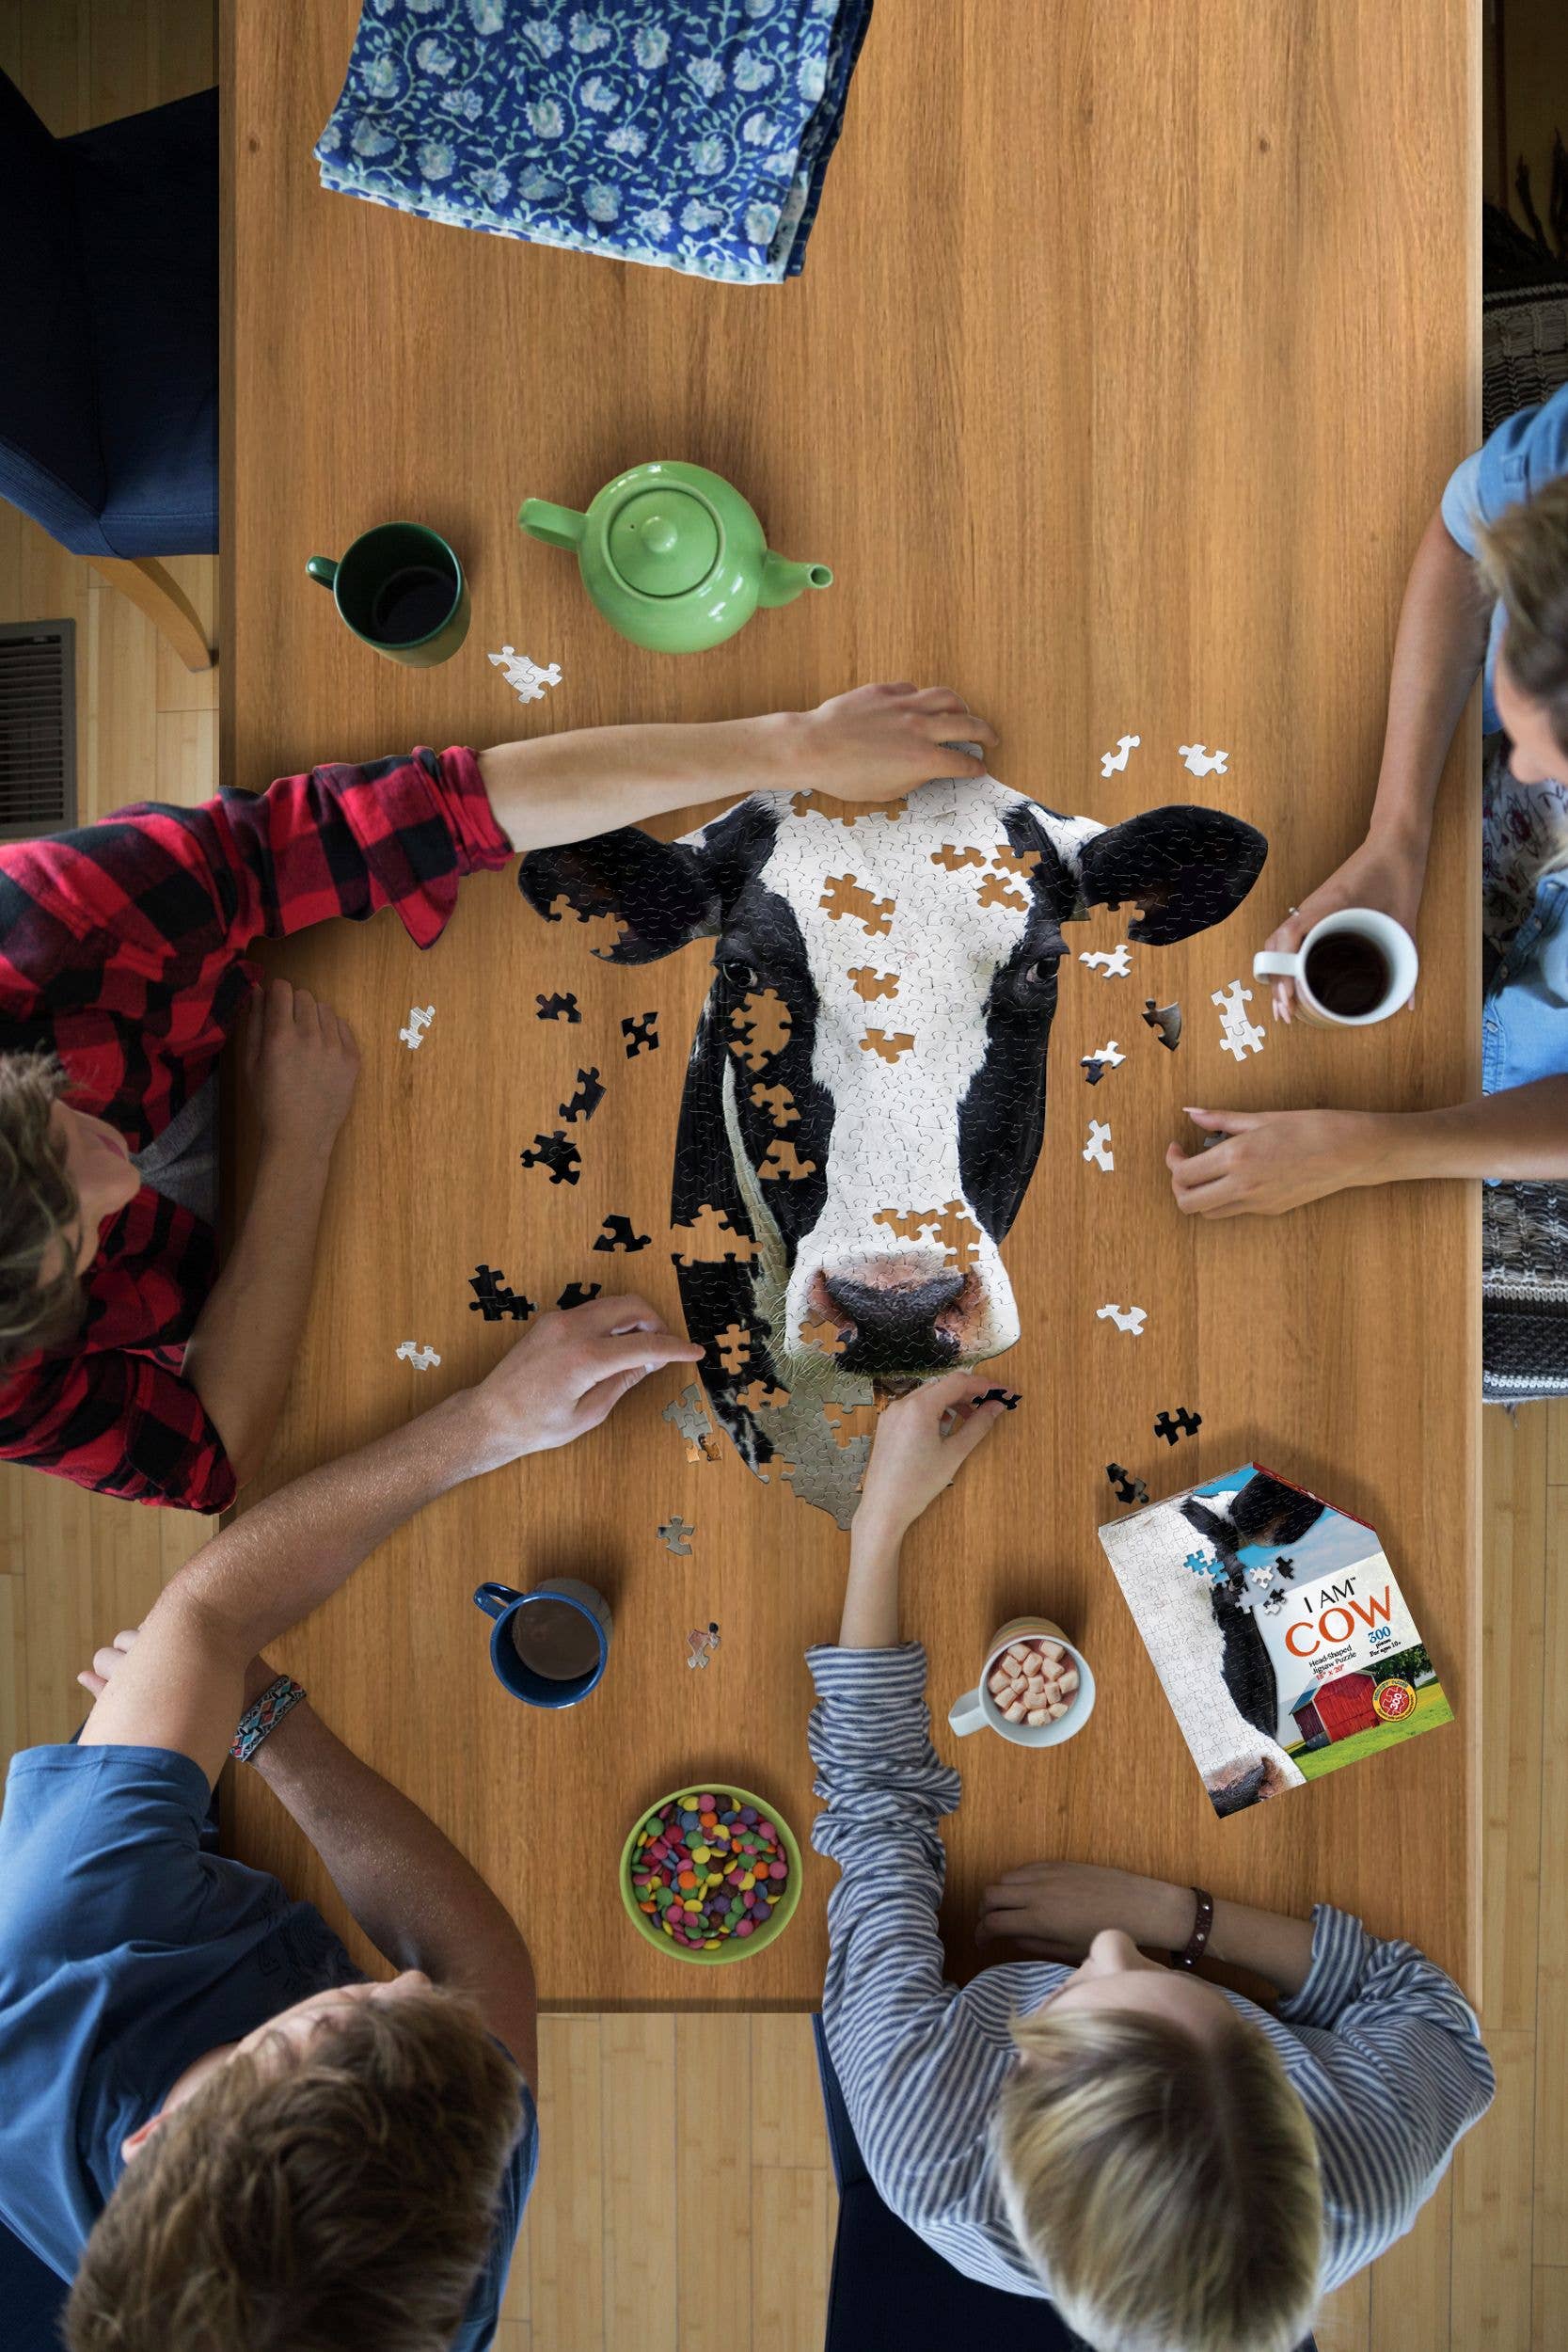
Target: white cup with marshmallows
[{"x": 1035, "y": 1689}]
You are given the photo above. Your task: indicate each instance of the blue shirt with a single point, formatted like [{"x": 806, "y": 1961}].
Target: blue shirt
[
  {"x": 1527, "y": 450},
  {"x": 127, "y": 1949},
  {"x": 1375, "y": 2031}
]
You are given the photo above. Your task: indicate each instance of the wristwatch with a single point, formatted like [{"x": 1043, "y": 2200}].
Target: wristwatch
[
  {"x": 1198, "y": 1943},
  {"x": 263, "y": 1715}
]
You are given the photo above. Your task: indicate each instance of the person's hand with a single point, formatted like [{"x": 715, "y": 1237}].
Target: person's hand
[
  {"x": 923, "y": 1440},
  {"x": 1382, "y": 873},
  {"x": 1271, "y": 1161},
  {"x": 568, "y": 1370},
  {"x": 879, "y": 742},
  {"x": 303, "y": 1062},
  {"x": 97, "y": 1676},
  {"x": 1054, "y": 1910}
]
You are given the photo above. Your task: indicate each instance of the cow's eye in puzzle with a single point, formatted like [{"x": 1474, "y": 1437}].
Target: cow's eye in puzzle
[{"x": 737, "y": 973}]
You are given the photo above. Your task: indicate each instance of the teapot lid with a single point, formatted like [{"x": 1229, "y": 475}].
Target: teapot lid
[{"x": 663, "y": 542}]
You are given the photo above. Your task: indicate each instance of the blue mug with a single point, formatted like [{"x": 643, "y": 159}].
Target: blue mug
[{"x": 549, "y": 1647}]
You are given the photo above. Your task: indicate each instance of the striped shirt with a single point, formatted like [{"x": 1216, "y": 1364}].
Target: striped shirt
[{"x": 1377, "y": 2035}]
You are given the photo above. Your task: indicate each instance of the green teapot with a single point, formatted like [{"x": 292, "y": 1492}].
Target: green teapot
[{"x": 673, "y": 556}]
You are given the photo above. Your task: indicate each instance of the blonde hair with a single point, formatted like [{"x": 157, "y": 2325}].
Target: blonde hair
[
  {"x": 38, "y": 1213},
  {"x": 346, "y": 2198},
  {"x": 1165, "y": 2189},
  {"x": 1523, "y": 559}
]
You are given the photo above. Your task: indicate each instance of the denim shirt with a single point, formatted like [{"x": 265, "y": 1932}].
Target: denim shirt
[{"x": 1525, "y": 1014}]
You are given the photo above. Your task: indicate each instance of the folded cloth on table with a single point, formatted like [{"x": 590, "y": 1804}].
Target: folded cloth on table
[{"x": 691, "y": 135}]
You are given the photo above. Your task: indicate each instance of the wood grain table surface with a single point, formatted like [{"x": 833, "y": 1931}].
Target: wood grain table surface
[{"x": 1132, "y": 349}]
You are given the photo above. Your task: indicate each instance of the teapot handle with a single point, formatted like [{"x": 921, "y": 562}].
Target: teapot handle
[{"x": 558, "y": 526}]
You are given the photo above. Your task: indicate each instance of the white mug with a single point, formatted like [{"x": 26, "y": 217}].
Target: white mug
[
  {"x": 1393, "y": 944},
  {"x": 977, "y": 1708}
]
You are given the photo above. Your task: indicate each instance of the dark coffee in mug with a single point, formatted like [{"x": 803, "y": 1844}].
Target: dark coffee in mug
[
  {"x": 555, "y": 1640},
  {"x": 1348, "y": 974},
  {"x": 412, "y": 604}
]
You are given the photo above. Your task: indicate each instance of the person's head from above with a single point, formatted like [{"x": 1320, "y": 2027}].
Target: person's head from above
[
  {"x": 1524, "y": 566},
  {"x": 63, "y": 1175},
  {"x": 1157, "y": 2168},
  {"x": 329, "y": 2181}
]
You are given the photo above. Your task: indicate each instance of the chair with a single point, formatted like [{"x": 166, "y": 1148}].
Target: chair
[{"x": 109, "y": 281}]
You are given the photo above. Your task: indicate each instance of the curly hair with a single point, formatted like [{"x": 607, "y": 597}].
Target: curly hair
[
  {"x": 1167, "y": 2192},
  {"x": 1522, "y": 554},
  {"x": 38, "y": 1209},
  {"x": 346, "y": 2198}
]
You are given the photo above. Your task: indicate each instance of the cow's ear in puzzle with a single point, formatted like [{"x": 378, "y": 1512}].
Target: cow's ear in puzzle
[
  {"x": 1187, "y": 867},
  {"x": 662, "y": 892}
]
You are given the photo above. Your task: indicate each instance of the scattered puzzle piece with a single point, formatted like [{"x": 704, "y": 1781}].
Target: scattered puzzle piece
[
  {"x": 757, "y": 1397},
  {"x": 844, "y": 812},
  {"x": 1203, "y": 1563},
  {"x": 1238, "y": 1035},
  {"x": 952, "y": 857},
  {"x": 556, "y": 1152},
  {"x": 527, "y": 680},
  {"x": 493, "y": 1298},
  {"x": 844, "y": 896},
  {"x": 640, "y": 1031},
  {"x": 688, "y": 1414},
  {"x": 586, "y": 1100},
  {"x": 824, "y": 1336},
  {"x": 710, "y": 1239},
  {"x": 1185, "y": 1424},
  {"x": 888, "y": 1047},
  {"x": 420, "y": 1358},
  {"x": 578, "y": 1295},
  {"x": 1200, "y": 761},
  {"x": 778, "y": 1103},
  {"x": 1166, "y": 1020},
  {"x": 1112, "y": 964},
  {"x": 618, "y": 1233},
  {"x": 763, "y": 1019},
  {"x": 1125, "y": 1318},
  {"x": 419, "y": 1018},
  {"x": 1010, "y": 1398},
  {"x": 557, "y": 1008},
  {"x": 1112, "y": 762},
  {"x": 997, "y": 890},
  {"x": 1094, "y": 1066},
  {"x": 782, "y": 1159},
  {"x": 1098, "y": 1144},
  {"x": 734, "y": 1344},
  {"x": 1128, "y": 1490},
  {"x": 699, "y": 1646},
  {"x": 868, "y": 985},
  {"x": 676, "y": 1536}
]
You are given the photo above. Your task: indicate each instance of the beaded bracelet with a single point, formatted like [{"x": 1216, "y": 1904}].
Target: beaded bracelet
[{"x": 265, "y": 1715}]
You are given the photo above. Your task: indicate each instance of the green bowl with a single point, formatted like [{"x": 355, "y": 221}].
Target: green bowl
[{"x": 733, "y": 1947}]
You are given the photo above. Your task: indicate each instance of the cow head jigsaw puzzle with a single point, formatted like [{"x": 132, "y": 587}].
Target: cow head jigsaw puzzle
[{"x": 865, "y": 1098}]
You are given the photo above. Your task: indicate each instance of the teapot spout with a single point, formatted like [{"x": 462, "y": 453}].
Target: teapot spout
[
  {"x": 782, "y": 581},
  {"x": 558, "y": 526}
]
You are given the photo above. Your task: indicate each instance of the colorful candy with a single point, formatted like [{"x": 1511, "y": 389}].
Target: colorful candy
[{"x": 708, "y": 1868}]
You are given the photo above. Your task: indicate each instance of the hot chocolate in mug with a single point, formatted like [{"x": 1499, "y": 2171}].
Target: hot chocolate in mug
[{"x": 983, "y": 1708}]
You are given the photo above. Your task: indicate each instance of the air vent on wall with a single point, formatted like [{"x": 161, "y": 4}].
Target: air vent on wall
[{"x": 38, "y": 727}]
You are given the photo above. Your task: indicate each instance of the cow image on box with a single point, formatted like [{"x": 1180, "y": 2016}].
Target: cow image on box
[{"x": 868, "y": 1153}]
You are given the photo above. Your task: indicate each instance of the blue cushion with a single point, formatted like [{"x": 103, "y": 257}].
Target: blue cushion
[
  {"x": 147, "y": 209},
  {"x": 50, "y": 462},
  {"x": 31, "y": 2297}
]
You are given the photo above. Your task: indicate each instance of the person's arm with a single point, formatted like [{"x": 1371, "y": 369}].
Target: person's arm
[
  {"x": 876, "y": 742},
  {"x": 303, "y": 1062},
  {"x": 1054, "y": 1910},
  {"x": 1271, "y": 1161},
  {"x": 182, "y": 1686},
  {"x": 1438, "y": 653}
]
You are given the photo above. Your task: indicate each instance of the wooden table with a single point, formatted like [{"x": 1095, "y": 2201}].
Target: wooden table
[{"x": 1131, "y": 353}]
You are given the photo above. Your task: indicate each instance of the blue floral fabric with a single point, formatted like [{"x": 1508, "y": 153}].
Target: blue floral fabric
[{"x": 691, "y": 135}]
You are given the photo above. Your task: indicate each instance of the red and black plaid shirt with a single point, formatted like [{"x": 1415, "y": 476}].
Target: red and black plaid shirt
[{"x": 122, "y": 951}]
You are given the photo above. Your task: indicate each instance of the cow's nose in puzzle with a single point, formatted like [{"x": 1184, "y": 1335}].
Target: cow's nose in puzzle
[{"x": 897, "y": 1323}]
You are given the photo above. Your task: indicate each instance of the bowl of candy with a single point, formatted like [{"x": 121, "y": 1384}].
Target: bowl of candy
[{"x": 710, "y": 1873}]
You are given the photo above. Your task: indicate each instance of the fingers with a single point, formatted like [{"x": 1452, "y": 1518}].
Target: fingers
[
  {"x": 627, "y": 1311},
  {"x": 1224, "y": 1122},
  {"x": 91, "y": 1682},
  {"x": 600, "y": 1401},
  {"x": 639, "y": 1352}
]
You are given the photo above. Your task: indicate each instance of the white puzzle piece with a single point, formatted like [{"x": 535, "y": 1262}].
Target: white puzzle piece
[
  {"x": 1200, "y": 761},
  {"x": 527, "y": 680},
  {"x": 1125, "y": 1318},
  {"x": 420, "y": 1358},
  {"x": 1112, "y": 964},
  {"x": 1098, "y": 1144},
  {"x": 1238, "y": 1036},
  {"x": 1111, "y": 763}
]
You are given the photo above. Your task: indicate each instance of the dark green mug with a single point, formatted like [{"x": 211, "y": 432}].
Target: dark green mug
[{"x": 400, "y": 590}]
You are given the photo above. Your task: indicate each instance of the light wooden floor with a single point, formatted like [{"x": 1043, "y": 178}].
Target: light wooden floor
[{"x": 679, "y": 2153}]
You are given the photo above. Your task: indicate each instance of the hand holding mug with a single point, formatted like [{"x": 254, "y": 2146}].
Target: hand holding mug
[
  {"x": 1381, "y": 873},
  {"x": 570, "y": 1370}
]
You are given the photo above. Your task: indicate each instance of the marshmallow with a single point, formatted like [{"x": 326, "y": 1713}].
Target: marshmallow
[
  {"x": 1014, "y": 1714},
  {"x": 997, "y": 1684},
  {"x": 1036, "y": 1716},
  {"x": 1069, "y": 1682},
  {"x": 1055, "y": 1710}
]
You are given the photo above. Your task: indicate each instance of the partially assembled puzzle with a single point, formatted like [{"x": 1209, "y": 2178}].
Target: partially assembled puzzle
[{"x": 865, "y": 1094}]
